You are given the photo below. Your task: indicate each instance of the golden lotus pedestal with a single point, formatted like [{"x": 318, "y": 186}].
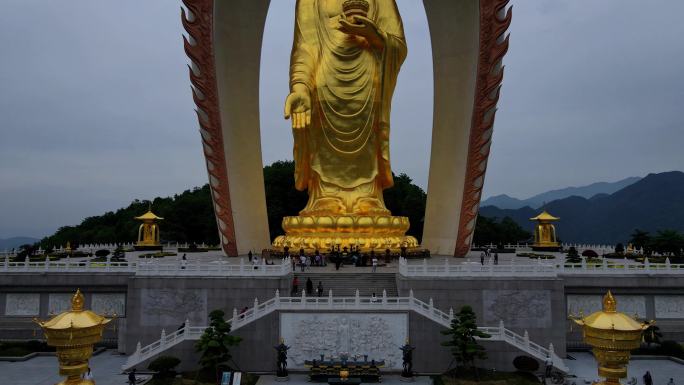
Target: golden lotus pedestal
[{"x": 325, "y": 232}]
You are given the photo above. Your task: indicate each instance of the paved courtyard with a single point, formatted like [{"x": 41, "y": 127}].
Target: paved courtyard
[
  {"x": 106, "y": 368},
  {"x": 584, "y": 367}
]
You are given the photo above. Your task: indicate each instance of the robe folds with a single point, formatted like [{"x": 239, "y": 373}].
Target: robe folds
[{"x": 351, "y": 86}]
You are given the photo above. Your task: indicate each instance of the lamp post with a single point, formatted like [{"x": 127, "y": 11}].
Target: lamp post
[
  {"x": 612, "y": 335},
  {"x": 74, "y": 333}
]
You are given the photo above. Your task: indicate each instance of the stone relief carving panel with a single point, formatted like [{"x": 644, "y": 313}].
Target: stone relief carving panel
[
  {"x": 59, "y": 302},
  {"x": 171, "y": 307},
  {"x": 517, "y": 308},
  {"x": 22, "y": 304},
  {"x": 589, "y": 303},
  {"x": 377, "y": 335},
  {"x": 585, "y": 304},
  {"x": 631, "y": 305},
  {"x": 669, "y": 306},
  {"x": 109, "y": 304}
]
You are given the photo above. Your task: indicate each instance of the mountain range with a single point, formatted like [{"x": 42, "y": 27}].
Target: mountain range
[
  {"x": 14, "y": 242},
  {"x": 504, "y": 201},
  {"x": 653, "y": 203}
]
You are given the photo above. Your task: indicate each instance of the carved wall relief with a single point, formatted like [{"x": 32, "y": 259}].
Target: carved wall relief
[{"x": 311, "y": 334}]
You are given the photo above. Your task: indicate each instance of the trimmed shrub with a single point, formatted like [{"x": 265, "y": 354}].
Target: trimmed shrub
[
  {"x": 525, "y": 364},
  {"x": 164, "y": 366},
  {"x": 672, "y": 348},
  {"x": 102, "y": 253}
]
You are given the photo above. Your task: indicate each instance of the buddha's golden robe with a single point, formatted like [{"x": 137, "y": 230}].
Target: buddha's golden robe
[{"x": 342, "y": 157}]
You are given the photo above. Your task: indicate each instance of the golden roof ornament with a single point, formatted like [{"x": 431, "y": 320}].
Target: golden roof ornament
[
  {"x": 612, "y": 335},
  {"x": 74, "y": 333}
]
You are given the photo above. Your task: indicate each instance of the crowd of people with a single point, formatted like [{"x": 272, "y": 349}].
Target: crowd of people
[{"x": 340, "y": 257}]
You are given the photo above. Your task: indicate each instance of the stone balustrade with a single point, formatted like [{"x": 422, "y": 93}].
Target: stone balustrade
[
  {"x": 147, "y": 267},
  {"x": 542, "y": 268}
]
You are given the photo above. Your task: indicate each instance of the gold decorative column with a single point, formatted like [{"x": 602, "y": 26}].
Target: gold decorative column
[
  {"x": 74, "y": 333},
  {"x": 545, "y": 233},
  {"x": 148, "y": 232},
  {"x": 612, "y": 336}
]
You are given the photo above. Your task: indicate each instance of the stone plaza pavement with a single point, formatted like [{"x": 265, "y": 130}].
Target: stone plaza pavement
[
  {"x": 584, "y": 367},
  {"x": 302, "y": 379},
  {"x": 106, "y": 368},
  {"x": 43, "y": 370}
]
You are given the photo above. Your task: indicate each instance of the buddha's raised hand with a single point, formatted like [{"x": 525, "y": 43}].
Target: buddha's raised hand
[
  {"x": 365, "y": 28},
  {"x": 298, "y": 106}
]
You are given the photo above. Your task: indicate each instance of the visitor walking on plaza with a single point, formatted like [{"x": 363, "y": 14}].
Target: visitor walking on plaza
[
  {"x": 88, "y": 375},
  {"x": 302, "y": 262},
  {"x": 309, "y": 286},
  {"x": 671, "y": 382},
  {"x": 374, "y": 262},
  {"x": 648, "y": 380},
  {"x": 319, "y": 289},
  {"x": 374, "y": 298},
  {"x": 496, "y": 258},
  {"x": 482, "y": 257},
  {"x": 184, "y": 261},
  {"x": 131, "y": 377},
  {"x": 295, "y": 285}
]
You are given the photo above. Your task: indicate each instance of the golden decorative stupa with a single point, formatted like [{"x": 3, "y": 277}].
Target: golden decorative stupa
[
  {"x": 545, "y": 232},
  {"x": 148, "y": 232},
  {"x": 74, "y": 333},
  {"x": 612, "y": 335}
]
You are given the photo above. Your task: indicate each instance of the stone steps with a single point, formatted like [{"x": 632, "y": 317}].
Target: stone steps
[{"x": 345, "y": 285}]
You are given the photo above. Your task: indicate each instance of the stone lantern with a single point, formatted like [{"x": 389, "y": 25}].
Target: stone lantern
[
  {"x": 74, "y": 333},
  {"x": 612, "y": 335}
]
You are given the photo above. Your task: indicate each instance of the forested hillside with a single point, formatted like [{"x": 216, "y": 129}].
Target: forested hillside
[{"x": 189, "y": 216}]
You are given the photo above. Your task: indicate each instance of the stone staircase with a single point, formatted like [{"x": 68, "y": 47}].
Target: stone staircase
[{"x": 346, "y": 284}]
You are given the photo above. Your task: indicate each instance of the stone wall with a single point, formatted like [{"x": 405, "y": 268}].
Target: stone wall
[
  {"x": 25, "y": 296},
  {"x": 535, "y": 305},
  {"x": 156, "y": 303},
  {"x": 658, "y": 298}
]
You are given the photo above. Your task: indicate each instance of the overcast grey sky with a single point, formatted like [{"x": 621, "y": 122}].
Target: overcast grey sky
[{"x": 96, "y": 110}]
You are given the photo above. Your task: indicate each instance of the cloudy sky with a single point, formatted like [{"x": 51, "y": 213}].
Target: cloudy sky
[{"x": 95, "y": 107}]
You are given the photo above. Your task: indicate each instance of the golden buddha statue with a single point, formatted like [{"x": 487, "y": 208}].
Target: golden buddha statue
[{"x": 344, "y": 65}]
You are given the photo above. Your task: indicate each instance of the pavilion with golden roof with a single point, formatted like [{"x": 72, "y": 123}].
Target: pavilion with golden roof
[{"x": 545, "y": 232}]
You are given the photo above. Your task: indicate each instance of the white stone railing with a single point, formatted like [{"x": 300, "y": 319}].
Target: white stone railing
[
  {"x": 148, "y": 268},
  {"x": 450, "y": 268},
  {"x": 356, "y": 303},
  {"x": 542, "y": 268}
]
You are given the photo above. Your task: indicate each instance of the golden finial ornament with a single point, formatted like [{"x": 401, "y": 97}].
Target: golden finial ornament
[
  {"x": 74, "y": 333},
  {"x": 612, "y": 336}
]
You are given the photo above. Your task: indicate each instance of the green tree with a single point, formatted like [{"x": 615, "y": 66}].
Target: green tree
[
  {"x": 639, "y": 239},
  {"x": 282, "y": 199},
  {"x": 619, "y": 248},
  {"x": 490, "y": 230},
  {"x": 652, "y": 335},
  {"x": 668, "y": 242},
  {"x": 463, "y": 339},
  {"x": 215, "y": 343},
  {"x": 407, "y": 200}
]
